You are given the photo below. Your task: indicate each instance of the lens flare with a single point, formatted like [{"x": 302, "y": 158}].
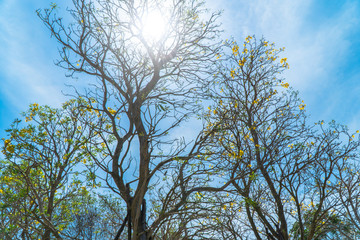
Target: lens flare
[{"x": 153, "y": 26}]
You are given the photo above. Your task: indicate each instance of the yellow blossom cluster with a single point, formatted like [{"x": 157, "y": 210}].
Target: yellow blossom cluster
[
  {"x": 236, "y": 154},
  {"x": 198, "y": 195},
  {"x": 235, "y": 50},
  {"x": 111, "y": 111},
  {"x": 284, "y": 63},
  {"x": 302, "y": 105},
  {"x": 232, "y": 74},
  {"x": 8, "y": 146},
  {"x": 285, "y": 85},
  {"x": 247, "y": 39},
  {"x": 33, "y": 109},
  {"x": 242, "y": 61}
]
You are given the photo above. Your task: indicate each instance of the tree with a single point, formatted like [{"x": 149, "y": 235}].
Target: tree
[
  {"x": 98, "y": 217},
  {"x": 146, "y": 88},
  {"x": 333, "y": 227},
  {"x": 38, "y": 176},
  {"x": 252, "y": 169},
  {"x": 283, "y": 169},
  {"x": 348, "y": 182}
]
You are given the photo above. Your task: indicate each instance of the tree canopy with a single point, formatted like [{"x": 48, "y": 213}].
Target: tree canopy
[{"x": 178, "y": 135}]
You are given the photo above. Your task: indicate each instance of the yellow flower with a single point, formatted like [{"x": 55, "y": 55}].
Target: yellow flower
[
  {"x": 248, "y": 39},
  {"x": 242, "y": 62},
  {"x": 111, "y": 111},
  {"x": 232, "y": 74},
  {"x": 302, "y": 107},
  {"x": 283, "y": 60},
  {"x": 241, "y": 152},
  {"x": 285, "y": 85},
  {"x": 8, "y": 146},
  {"x": 235, "y": 49}
]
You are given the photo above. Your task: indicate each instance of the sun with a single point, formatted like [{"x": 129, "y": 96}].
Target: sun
[{"x": 153, "y": 26}]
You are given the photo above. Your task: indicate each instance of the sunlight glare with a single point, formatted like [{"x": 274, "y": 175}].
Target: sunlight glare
[{"x": 154, "y": 25}]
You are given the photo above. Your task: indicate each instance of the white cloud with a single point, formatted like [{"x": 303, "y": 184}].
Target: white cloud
[
  {"x": 317, "y": 51},
  {"x": 316, "y": 47},
  {"x": 26, "y": 56}
]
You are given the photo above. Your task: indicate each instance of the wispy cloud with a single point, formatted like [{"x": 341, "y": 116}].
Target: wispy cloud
[
  {"x": 27, "y": 70},
  {"x": 320, "y": 46},
  {"x": 317, "y": 42}
]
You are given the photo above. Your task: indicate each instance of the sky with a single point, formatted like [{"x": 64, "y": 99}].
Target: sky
[{"x": 321, "y": 37}]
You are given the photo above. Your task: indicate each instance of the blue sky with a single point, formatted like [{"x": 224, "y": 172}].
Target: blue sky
[{"x": 321, "y": 37}]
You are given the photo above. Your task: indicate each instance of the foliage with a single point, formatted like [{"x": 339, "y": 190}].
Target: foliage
[
  {"x": 38, "y": 174},
  {"x": 281, "y": 167},
  {"x": 252, "y": 167},
  {"x": 146, "y": 89}
]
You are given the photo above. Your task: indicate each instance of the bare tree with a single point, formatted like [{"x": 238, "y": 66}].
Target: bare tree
[
  {"x": 99, "y": 217},
  {"x": 145, "y": 89},
  {"x": 253, "y": 167},
  {"x": 283, "y": 169},
  {"x": 347, "y": 186}
]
